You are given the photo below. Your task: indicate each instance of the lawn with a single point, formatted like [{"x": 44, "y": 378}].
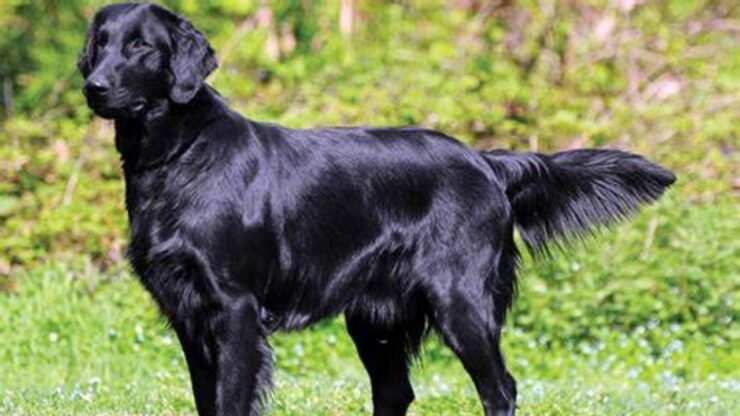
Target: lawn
[
  {"x": 78, "y": 342},
  {"x": 640, "y": 320}
]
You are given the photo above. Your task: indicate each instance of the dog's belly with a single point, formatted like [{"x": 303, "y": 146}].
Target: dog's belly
[
  {"x": 376, "y": 284},
  {"x": 387, "y": 310}
]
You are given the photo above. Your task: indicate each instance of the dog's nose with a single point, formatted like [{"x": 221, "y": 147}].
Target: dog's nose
[{"x": 97, "y": 87}]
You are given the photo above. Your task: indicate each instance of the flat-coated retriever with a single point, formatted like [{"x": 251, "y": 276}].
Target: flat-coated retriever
[{"x": 240, "y": 228}]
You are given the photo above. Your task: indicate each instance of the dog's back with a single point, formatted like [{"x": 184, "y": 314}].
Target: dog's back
[{"x": 240, "y": 228}]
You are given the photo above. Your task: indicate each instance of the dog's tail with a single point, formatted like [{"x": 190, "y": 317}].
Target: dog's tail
[{"x": 564, "y": 196}]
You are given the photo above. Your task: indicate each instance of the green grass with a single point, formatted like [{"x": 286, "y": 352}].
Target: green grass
[
  {"x": 71, "y": 352},
  {"x": 77, "y": 342},
  {"x": 643, "y": 321}
]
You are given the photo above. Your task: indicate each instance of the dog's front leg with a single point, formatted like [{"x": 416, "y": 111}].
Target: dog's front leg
[
  {"x": 243, "y": 360},
  {"x": 198, "y": 349}
]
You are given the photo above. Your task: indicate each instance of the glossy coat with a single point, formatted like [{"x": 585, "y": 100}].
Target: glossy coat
[{"x": 240, "y": 228}]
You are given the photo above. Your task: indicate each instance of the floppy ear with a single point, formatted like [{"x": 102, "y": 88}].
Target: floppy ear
[
  {"x": 191, "y": 61},
  {"x": 87, "y": 57}
]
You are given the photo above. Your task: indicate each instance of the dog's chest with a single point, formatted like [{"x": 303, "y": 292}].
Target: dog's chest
[
  {"x": 161, "y": 219},
  {"x": 176, "y": 223},
  {"x": 168, "y": 262}
]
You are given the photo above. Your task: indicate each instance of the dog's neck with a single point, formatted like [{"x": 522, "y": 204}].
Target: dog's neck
[{"x": 165, "y": 131}]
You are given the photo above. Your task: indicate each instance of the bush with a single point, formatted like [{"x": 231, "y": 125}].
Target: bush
[{"x": 659, "y": 78}]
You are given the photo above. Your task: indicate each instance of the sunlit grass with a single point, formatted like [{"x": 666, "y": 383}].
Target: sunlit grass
[
  {"x": 625, "y": 324},
  {"x": 76, "y": 344}
]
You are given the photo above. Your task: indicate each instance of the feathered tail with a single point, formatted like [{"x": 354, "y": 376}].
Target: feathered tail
[{"x": 564, "y": 196}]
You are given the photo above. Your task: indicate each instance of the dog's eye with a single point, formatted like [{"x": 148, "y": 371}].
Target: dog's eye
[{"x": 137, "y": 45}]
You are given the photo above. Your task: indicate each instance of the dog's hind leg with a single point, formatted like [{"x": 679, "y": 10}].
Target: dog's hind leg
[
  {"x": 465, "y": 318},
  {"x": 385, "y": 353}
]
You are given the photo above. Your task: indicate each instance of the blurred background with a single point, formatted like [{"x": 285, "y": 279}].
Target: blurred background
[{"x": 642, "y": 321}]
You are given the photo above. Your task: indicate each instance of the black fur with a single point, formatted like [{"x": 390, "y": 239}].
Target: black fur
[
  {"x": 567, "y": 194},
  {"x": 240, "y": 228}
]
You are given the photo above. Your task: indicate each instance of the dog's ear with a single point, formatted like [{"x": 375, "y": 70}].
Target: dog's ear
[
  {"x": 87, "y": 57},
  {"x": 192, "y": 60}
]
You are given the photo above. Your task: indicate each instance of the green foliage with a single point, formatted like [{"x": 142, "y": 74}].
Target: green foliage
[
  {"x": 651, "y": 304},
  {"x": 676, "y": 266}
]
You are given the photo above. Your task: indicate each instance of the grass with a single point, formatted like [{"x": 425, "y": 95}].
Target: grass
[
  {"x": 78, "y": 342},
  {"x": 643, "y": 321},
  {"x": 71, "y": 352}
]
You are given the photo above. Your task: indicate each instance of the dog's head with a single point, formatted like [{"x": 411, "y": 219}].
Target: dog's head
[{"x": 138, "y": 54}]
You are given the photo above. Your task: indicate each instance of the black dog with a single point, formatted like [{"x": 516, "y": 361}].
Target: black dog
[{"x": 240, "y": 228}]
